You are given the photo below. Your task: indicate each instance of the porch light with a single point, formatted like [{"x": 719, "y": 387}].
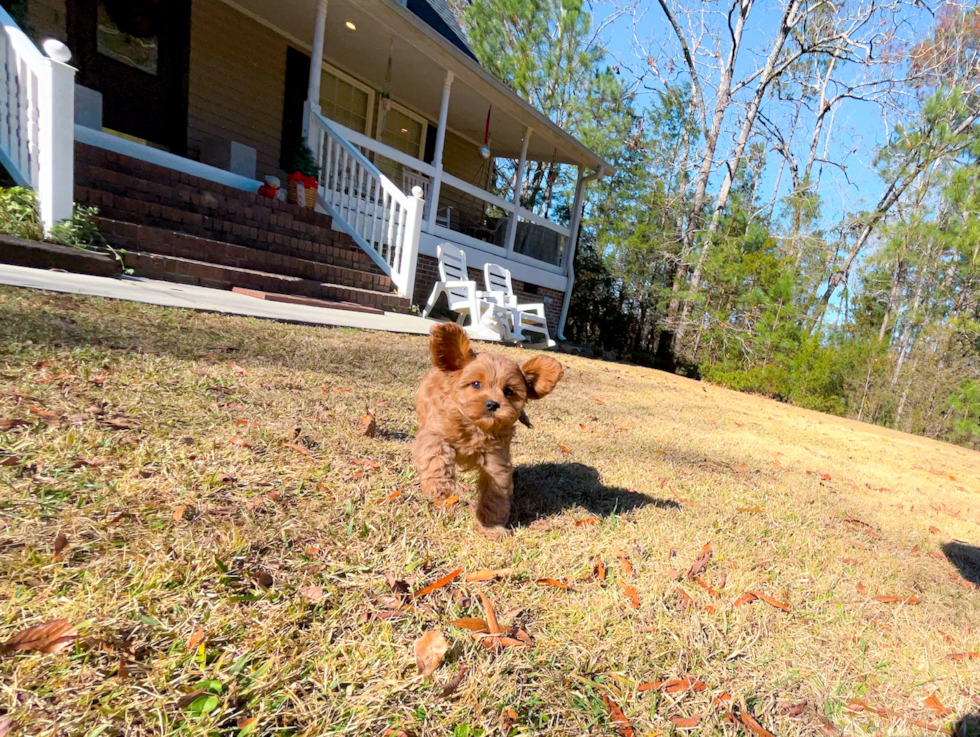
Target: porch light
[{"x": 350, "y": 25}]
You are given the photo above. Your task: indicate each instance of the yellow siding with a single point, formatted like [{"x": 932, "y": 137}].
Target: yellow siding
[{"x": 236, "y": 85}]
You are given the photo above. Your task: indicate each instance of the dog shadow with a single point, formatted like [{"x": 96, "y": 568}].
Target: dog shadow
[
  {"x": 966, "y": 558},
  {"x": 968, "y": 726},
  {"x": 546, "y": 489}
]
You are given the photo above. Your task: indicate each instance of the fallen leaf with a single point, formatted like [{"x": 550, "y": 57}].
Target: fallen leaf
[
  {"x": 964, "y": 656},
  {"x": 237, "y": 369},
  {"x": 933, "y": 529},
  {"x": 453, "y": 684},
  {"x": 298, "y": 448},
  {"x": 685, "y": 722},
  {"x": 624, "y": 561},
  {"x": 632, "y": 595},
  {"x": 861, "y": 589},
  {"x": 791, "y": 710},
  {"x": 368, "y": 425},
  {"x": 851, "y": 561},
  {"x": 312, "y": 593},
  {"x": 449, "y": 502},
  {"x": 711, "y": 592},
  {"x": 239, "y": 442},
  {"x": 586, "y": 521},
  {"x": 60, "y": 543},
  {"x": 11, "y": 424},
  {"x": 701, "y": 562},
  {"x": 488, "y": 575},
  {"x": 599, "y": 571},
  {"x": 178, "y": 514},
  {"x": 437, "y": 584},
  {"x": 50, "y": 637},
  {"x": 753, "y": 725},
  {"x": 264, "y": 579},
  {"x": 898, "y": 599},
  {"x": 430, "y": 649},
  {"x": 674, "y": 686},
  {"x": 687, "y": 601},
  {"x": 564, "y": 449},
  {"x": 393, "y": 495},
  {"x": 747, "y": 598},
  {"x": 121, "y": 423},
  {"x": 195, "y": 639},
  {"x": 247, "y": 725},
  {"x": 617, "y": 717},
  {"x": 473, "y": 624},
  {"x": 552, "y": 582},
  {"x": 509, "y": 721},
  {"x": 492, "y": 624},
  {"x": 937, "y": 706},
  {"x": 49, "y": 417}
]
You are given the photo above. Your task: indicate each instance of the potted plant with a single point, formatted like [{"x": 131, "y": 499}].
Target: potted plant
[{"x": 301, "y": 183}]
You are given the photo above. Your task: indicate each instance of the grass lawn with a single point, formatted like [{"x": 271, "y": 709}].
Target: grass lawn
[{"x": 194, "y": 494}]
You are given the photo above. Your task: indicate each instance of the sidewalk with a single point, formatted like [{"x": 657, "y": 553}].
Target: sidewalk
[{"x": 168, "y": 294}]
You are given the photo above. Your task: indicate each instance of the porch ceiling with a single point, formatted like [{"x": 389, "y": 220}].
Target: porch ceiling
[{"x": 420, "y": 59}]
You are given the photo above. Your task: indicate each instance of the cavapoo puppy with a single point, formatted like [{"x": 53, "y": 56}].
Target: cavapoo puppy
[{"x": 468, "y": 405}]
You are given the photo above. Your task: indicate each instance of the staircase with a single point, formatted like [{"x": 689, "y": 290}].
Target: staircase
[{"x": 182, "y": 228}]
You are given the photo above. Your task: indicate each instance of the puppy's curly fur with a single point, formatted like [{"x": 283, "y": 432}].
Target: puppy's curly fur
[{"x": 468, "y": 405}]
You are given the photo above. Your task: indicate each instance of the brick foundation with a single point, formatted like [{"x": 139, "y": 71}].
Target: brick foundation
[{"x": 427, "y": 274}]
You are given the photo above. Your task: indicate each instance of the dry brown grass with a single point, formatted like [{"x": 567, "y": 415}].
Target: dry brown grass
[{"x": 661, "y": 467}]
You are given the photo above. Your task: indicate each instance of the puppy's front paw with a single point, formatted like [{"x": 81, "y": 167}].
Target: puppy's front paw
[
  {"x": 438, "y": 490},
  {"x": 494, "y": 533}
]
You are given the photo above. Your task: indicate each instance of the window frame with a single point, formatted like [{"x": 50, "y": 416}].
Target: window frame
[{"x": 345, "y": 77}]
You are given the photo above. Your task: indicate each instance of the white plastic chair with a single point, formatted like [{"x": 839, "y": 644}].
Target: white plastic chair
[
  {"x": 488, "y": 319},
  {"x": 530, "y": 316}
]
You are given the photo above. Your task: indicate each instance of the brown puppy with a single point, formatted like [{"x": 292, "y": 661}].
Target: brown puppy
[{"x": 468, "y": 405}]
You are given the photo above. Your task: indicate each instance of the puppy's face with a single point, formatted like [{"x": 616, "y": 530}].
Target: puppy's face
[{"x": 490, "y": 390}]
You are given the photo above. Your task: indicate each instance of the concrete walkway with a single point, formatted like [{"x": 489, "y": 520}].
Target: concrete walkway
[{"x": 168, "y": 294}]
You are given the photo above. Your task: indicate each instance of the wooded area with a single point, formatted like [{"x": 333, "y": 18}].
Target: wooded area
[{"x": 714, "y": 249}]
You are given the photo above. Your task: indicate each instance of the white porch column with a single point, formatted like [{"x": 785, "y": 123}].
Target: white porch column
[
  {"x": 518, "y": 186},
  {"x": 572, "y": 244},
  {"x": 56, "y": 142},
  {"x": 316, "y": 64},
  {"x": 436, "y": 184}
]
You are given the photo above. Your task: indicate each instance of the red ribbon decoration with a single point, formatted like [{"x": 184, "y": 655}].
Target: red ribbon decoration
[
  {"x": 308, "y": 181},
  {"x": 486, "y": 133}
]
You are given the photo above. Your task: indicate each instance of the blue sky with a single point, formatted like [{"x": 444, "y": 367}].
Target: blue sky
[{"x": 859, "y": 129}]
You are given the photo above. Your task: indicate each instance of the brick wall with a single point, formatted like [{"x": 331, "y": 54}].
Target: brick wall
[
  {"x": 427, "y": 274},
  {"x": 237, "y": 82}
]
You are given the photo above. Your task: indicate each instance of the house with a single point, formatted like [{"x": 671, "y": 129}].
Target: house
[{"x": 180, "y": 109}]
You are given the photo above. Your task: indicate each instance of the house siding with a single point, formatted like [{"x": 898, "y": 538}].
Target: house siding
[
  {"x": 47, "y": 19},
  {"x": 236, "y": 83}
]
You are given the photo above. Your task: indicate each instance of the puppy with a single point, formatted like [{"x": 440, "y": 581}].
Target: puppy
[{"x": 468, "y": 405}]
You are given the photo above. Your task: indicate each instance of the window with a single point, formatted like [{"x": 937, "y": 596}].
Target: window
[
  {"x": 345, "y": 101},
  {"x": 403, "y": 130}
]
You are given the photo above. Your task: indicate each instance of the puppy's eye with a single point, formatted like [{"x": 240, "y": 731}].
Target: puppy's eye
[
  {"x": 476, "y": 385},
  {"x": 508, "y": 392}
]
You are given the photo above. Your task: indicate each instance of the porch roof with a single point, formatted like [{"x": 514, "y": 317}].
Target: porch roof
[{"x": 420, "y": 58}]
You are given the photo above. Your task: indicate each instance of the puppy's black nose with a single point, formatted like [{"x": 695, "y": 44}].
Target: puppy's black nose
[{"x": 492, "y": 406}]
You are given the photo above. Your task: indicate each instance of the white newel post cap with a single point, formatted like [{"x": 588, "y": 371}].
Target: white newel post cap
[
  {"x": 56, "y": 50},
  {"x": 417, "y": 191}
]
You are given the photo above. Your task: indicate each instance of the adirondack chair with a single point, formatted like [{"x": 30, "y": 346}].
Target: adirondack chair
[
  {"x": 488, "y": 318},
  {"x": 528, "y": 317}
]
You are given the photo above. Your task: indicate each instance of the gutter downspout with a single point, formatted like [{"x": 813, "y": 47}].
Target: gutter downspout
[{"x": 570, "y": 265}]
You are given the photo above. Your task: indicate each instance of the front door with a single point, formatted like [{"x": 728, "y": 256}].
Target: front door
[{"x": 136, "y": 53}]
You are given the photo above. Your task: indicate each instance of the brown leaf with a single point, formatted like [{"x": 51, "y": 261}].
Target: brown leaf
[
  {"x": 617, "y": 717},
  {"x": 60, "y": 543},
  {"x": 623, "y": 561},
  {"x": 237, "y": 369},
  {"x": 49, "y": 417},
  {"x": 368, "y": 425},
  {"x": 195, "y": 640},
  {"x": 599, "y": 571},
  {"x": 430, "y": 649},
  {"x": 473, "y": 624},
  {"x": 586, "y": 521},
  {"x": 898, "y": 599},
  {"x": 861, "y": 589},
  {"x": 449, "y": 502},
  {"x": 553, "y": 582},
  {"x": 771, "y": 602},
  {"x": 121, "y": 423},
  {"x": 453, "y": 684},
  {"x": 240, "y": 442},
  {"x": 245, "y": 724},
  {"x": 933, "y": 529},
  {"x": 510, "y": 721},
  {"x": 178, "y": 514},
  {"x": 11, "y": 424},
  {"x": 674, "y": 686},
  {"x": 489, "y": 574},
  {"x": 687, "y": 601},
  {"x": 747, "y": 598},
  {"x": 929, "y": 726},
  {"x": 701, "y": 562},
  {"x": 937, "y": 706},
  {"x": 312, "y": 593},
  {"x": 964, "y": 656},
  {"x": 393, "y": 495},
  {"x": 632, "y": 595},
  {"x": 264, "y": 579},
  {"x": 436, "y": 585},
  {"x": 711, "y": 592},
  {"x": 298, "y": 448},
  {"x": 791, "y": 710},
  {"x": 50, "y": 637},
  {"x": 851, "y": 561},
  {"x": 753, "y": 725},
  {"x": 491, "y": 616},
  {"x": 685, "y": 722},
  {"x": 564, "y": 449}
]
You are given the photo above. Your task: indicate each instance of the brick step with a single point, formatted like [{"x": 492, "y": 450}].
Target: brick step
[
  {"x": 330, "y": 246},
  {"x": 191, "y": 271},
  {"x": 166, "y": 242}
]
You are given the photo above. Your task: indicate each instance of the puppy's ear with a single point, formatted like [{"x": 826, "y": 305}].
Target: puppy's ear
[
  {"x": 450, "y": 347},
  {"x": 542, "y": 373}
]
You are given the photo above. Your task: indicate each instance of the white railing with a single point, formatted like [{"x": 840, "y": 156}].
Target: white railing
[
  {"x": 383, "y": 220},
  {"x": 37, "y": 116}
]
